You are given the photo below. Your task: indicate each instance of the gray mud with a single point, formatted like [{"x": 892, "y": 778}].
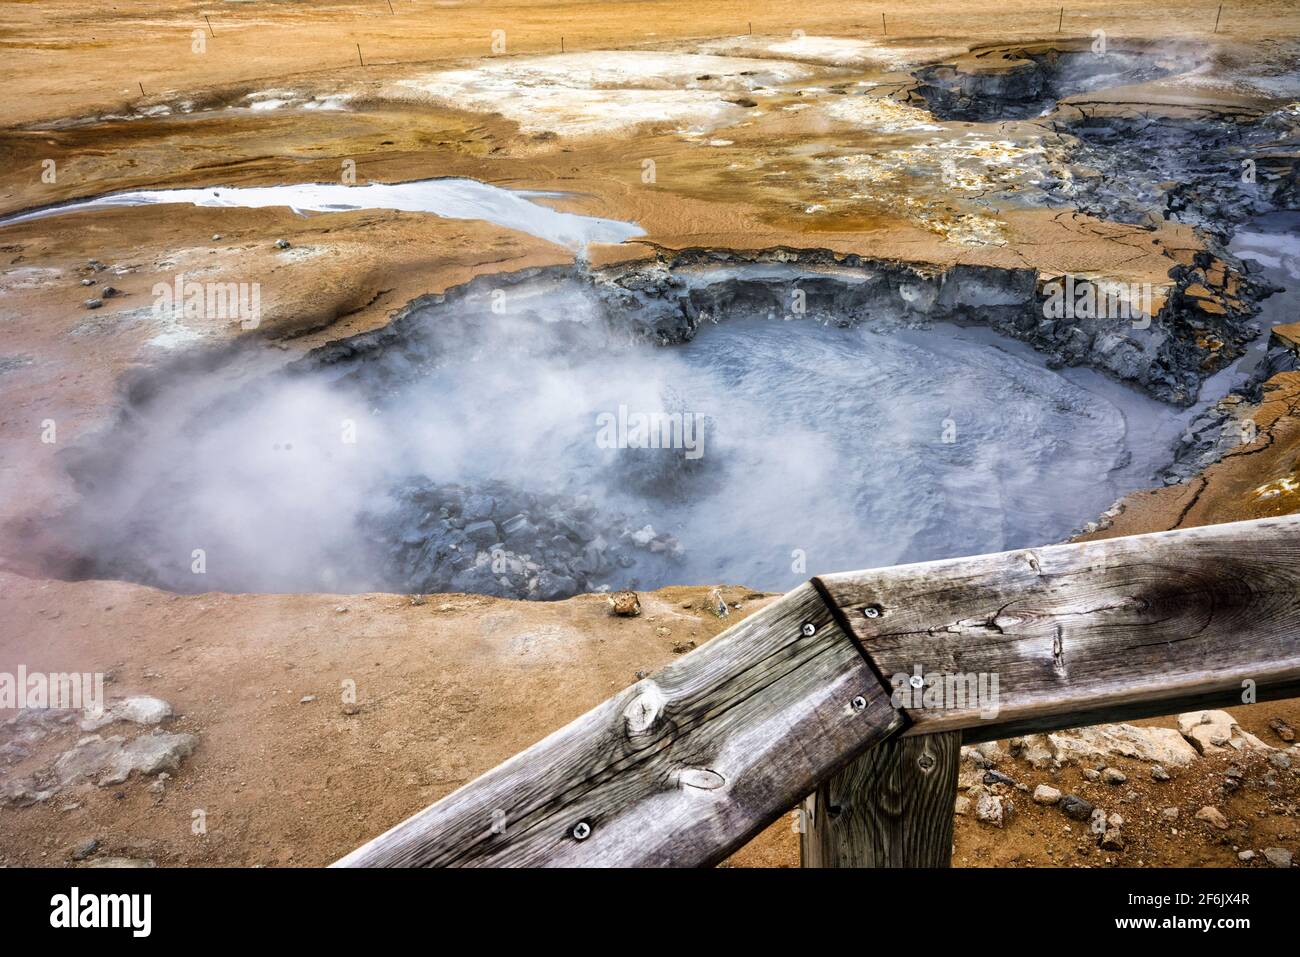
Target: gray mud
[{"x": 461, "y": 449}]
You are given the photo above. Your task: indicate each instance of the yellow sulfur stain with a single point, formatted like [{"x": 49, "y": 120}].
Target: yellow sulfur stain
[{"x": 1277, "y": 488}]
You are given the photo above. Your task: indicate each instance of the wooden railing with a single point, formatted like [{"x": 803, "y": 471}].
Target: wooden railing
[{"x": 812, "y": 699}]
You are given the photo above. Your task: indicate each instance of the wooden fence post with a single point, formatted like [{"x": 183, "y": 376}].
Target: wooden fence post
[{"x": 891, "y": 807}]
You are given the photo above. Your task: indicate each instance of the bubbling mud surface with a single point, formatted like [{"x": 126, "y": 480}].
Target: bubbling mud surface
[{"x": 488, "y": 443}]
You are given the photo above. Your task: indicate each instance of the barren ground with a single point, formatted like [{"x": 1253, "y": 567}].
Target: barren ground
[{"x": 453, "y": 684}]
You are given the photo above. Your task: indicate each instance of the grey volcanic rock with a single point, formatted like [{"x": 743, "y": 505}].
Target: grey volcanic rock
[
  {"x": 546, "y": 547},
  {"x": 1076, "y": 807},
  {"x": 89, "y": 757},
  {"x": 111, "y": 760},
  {"x": 137, "y": 709},
  {"x": 1188, "y": 170},
  {"x": 1094, "y": 744},
  {"x": 1278, "y": 856},
  {"x": 482, "y": 533},
  {"x": 151, "y": 754},
  {"x": 478, "y": 507}
]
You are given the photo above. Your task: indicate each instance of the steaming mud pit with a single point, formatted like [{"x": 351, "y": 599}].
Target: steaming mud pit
[{"x": 501, "y": 440}]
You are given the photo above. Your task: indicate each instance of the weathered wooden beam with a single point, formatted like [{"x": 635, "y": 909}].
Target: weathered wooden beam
[
  {"x": 891, "y": 807},
  {"x": 1080, "y": 633},
  {"x": 683, "y": 768},
  {"x": 679, "y": 769}
]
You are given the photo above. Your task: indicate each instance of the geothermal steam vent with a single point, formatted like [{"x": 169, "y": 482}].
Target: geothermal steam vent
[{"x": 546, "y": 434}]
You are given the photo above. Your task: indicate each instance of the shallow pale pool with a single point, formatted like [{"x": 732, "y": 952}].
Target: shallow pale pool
[{"x": 451, "y": 198}]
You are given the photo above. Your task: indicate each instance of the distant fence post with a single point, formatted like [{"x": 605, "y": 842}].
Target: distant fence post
[{"x": 891, "y": 807}]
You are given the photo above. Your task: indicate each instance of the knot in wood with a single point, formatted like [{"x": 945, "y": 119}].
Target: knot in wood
[
  {"x": 644, "y": 711},
  {"x": 702, "y": 778}
]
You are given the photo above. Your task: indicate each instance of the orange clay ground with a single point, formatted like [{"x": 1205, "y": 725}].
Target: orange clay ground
[{"x": 449, "y": 685}]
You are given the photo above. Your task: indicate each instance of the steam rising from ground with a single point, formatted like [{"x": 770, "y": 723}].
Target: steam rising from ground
[{"x": 466, "y": 454}]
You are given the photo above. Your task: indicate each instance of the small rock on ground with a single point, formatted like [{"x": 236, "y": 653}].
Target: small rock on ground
[
  {"x": 625, "y": 604},
  {"x": 1046, "y": 794},
  {"x": 1076, "y": 807},
  {"x": 1210, "y": 731},
  {"x": 1212, "y": 816},
  {"x": 1278, "y": 856},
  {"x": 1282, "y": 729},
  {"x": 993, "y": 810}
]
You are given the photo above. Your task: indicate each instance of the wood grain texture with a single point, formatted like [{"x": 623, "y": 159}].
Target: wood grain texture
[
  {"x": 890, "y": 807},
  {"x": 1090, "y": 713},
  {"x": 679, "y": 769},
  {"x": 1079, "y": 633}
]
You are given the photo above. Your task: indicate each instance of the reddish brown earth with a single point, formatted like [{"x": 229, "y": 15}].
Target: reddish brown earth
[{"x": 446, "y": 689}]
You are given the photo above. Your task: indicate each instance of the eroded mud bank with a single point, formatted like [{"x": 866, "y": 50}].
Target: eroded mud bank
[
  {"x": 1167, "y": 353},
  {"x": 998, "y": 82}
]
